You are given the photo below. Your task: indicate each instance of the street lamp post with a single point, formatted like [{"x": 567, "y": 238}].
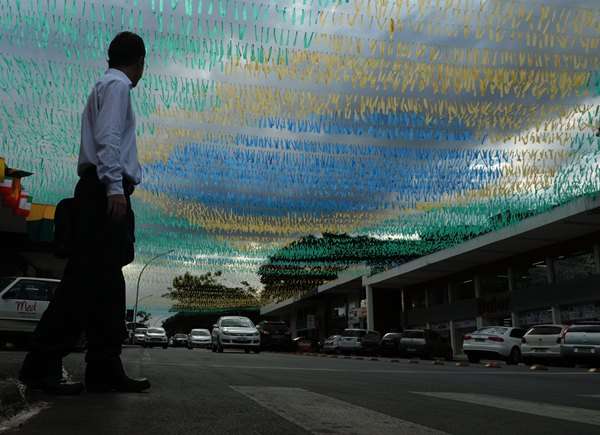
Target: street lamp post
[{"x": 137, "y": 291}]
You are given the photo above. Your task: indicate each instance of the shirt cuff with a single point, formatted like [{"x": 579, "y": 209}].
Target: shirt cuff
[{"x": 115, "y": 188}]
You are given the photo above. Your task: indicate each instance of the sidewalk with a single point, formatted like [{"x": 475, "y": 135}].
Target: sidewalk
[{"x": 12, "y": 393}]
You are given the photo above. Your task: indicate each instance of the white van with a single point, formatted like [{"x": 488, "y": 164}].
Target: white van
[{"x": 23, "y": 300}]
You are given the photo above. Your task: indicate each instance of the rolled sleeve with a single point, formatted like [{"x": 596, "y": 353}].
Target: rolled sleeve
[{"x": 108, "y": 131}]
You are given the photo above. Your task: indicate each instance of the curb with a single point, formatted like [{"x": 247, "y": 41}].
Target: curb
[
  {"x": 538, "y": 367},
  {"x": 492, "y": 365},
  {"x": 12, "y": 398}
]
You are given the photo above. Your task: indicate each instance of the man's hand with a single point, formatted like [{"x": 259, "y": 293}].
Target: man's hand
[{"x": 117, "y": 207}]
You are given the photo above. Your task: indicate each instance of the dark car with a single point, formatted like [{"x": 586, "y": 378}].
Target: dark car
[
  {"x": 424, "y": 343},
  {"x": 274, "y": 335},
  {"x": 390, "y": 343},
  {"x": 179, "y": 340},
  {"x": 305, "y": 344}
]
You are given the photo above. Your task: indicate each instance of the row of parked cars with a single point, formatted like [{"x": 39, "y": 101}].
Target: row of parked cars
[
  {"x": 560, "y": 344},
  {"x": 577, "y": 343},
  {"x": 230, "y": 332}
]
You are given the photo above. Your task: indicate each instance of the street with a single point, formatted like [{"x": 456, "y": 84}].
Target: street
[{"x": 202, "y": 392}]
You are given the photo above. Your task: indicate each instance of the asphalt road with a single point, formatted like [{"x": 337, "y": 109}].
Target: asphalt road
[{"x": 233, "y": 393}]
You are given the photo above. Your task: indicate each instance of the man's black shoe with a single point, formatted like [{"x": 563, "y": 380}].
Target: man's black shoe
[
  {"x": 109, "y": 376},
  {"x": 124, "y": 385},
  {"x": 54, "y": 386}
]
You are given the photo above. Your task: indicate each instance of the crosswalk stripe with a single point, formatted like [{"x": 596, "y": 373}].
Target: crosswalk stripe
[
  {"x": 568, "y": 413},
  {"x": 319, "y": 414}
]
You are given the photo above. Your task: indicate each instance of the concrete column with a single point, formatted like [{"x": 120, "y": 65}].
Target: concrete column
[
  {"x": 511, "y": 288},
  {"x": 293, "y": 324},
  {"x": 370, "y": 309},
  {"x": 477, "y": 285},
  {"x": 452, "y": 337},
  {"x": 550, "y": 270},
  {"x": 556, "y": 318},
  {"x": 597, "y": 256}
]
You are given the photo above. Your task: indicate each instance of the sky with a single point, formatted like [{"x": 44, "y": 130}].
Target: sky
[{"x": 261, "y": 122}]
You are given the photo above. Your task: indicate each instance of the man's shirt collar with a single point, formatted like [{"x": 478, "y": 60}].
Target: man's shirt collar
[{"x": 120, "y": 75}]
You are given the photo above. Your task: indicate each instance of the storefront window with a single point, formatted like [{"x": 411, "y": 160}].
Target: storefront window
[
  {"x": 535, "y": 317},
  {"x": 438, "y": 295},
  {"x": 494, "y": 282},
  {"x": 414, "y": 299},
  {"x": 464, "y": 289},
  {"x": 589, "y": 311},
  {"x": 533, "y": 274},
  {"x": 575, "y": 265}
]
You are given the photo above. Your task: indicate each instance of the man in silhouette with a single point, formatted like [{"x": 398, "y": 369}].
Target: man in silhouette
[{"x": 91, "y": 296}]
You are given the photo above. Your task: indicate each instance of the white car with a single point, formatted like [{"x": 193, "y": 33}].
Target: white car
[
  {"x": 541, "y": 343},
  {"x": 199, "y": 338},
  {"x": 156, "y": 337},
  {"x": 22, "y": 302},
  {"x": 332, "y": 344},
  {"x": 233, "y": 332},
  {"x": 494, "y": 342}
]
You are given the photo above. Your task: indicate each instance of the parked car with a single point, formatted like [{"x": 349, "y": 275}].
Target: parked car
[
  {"x": 22, "y": 302},
  {"x": 235, "y": 333},
  {"x": 359, "y": 341},
  {"x": 156, "y": 337},
  {"x": 332, "y": 344},
  {"x": 494, "y": 342},
  {"x": 274, "y": 335},
  {"x": 540, "y": 343},
  {"x": 139, "y": 336},
  {"x": 179, "y": 340},
  {"x": 581, "y": 343},
  {"x": 306, "y": 344},
  {"x": 424, "y": 343},
  {"x": 199, "y": 338},
  {"x": 390, "y": 344}
]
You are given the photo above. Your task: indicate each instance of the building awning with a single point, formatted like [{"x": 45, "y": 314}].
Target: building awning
[{"x": 575, "y": 219}]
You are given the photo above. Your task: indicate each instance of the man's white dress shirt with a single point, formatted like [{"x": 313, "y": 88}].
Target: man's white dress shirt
[{"x": 108, "y": 133}]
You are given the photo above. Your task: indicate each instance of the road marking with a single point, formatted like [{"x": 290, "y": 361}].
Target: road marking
[
  {"x": 21, "y": 418},
  {"x": 578, "y": 415},
  {"x": 319, "y": 414}
]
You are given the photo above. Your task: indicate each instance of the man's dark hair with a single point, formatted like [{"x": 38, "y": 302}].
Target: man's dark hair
[{"x": 126, "y": 49}]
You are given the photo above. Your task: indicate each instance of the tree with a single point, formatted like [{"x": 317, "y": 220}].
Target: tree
[
  {"x": 143, "y": 316},
  {"x": 206, "y": 293}
]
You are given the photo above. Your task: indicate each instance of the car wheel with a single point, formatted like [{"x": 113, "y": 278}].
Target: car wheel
[
  {"x": 473, "y": 358},
  {"x": 164, "y": 347},
  {"x": 256, "y": 350},
  {"x": 246, "y": 350},
  {"x": 515, "y": 356}
]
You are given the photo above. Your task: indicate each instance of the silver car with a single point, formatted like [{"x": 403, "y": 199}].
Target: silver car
[
  {"x": 139, "y": 336},
  {"x": 234, "y": 332},
  {"x": 199, "y": 338},
  {"x": 581, "y": 343},
  {"x": 156, "y": 337}
]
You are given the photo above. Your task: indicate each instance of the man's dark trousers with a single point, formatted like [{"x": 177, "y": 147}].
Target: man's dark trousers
[{"x": 91, "y": 296}]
